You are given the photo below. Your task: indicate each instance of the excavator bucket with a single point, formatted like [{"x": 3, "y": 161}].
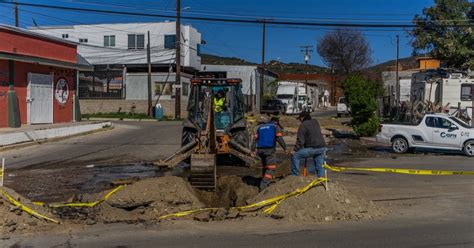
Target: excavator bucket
[{"x": 203, "y": 171}]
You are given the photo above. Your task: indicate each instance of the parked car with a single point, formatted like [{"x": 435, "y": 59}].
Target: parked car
[
  {"x": 436, "y": 131},
  {"x": 274, "y": 107},
  {"x": 342, "y": 107}
]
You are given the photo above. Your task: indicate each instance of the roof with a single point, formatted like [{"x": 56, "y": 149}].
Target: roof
[
  {"x": 43, "y": 61},
  {"x": 34, "y": 34}
]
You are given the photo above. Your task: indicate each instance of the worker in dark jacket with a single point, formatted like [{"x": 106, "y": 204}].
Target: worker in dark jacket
[
  {"x": 309, "y": 144},
  {"x": 268, "y": 133}
]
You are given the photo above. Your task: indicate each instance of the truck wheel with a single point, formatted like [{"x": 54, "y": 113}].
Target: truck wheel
[
  {"x": 399, "y": 145},
  {"x": 339, "y": 115},
  {"x": 469, "y": 148}
]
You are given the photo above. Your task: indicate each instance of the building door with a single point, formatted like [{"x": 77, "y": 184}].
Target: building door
[{"x": 40, "y": 98}]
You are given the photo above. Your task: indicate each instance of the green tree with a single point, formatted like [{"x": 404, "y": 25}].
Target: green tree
[
  {"x": 453, "y": 45},
  {"x": 360, "y": 94}
]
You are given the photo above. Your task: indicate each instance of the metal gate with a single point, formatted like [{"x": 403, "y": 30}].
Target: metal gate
[{"x": 40, "y": 98}]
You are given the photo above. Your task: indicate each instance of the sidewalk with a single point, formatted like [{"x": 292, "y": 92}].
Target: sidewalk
[{"x": 30, "y": 133}]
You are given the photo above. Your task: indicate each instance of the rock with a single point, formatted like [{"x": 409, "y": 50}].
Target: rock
[
  {"x": 203, "y": 216},
  {"x": 91, "y": 222},
  {"x": 14, "y": 209},
  {"x": 32, "y": 223},
  {"x": 233, "y": 214},
  {"x": 347, "y": 201},
  {"x": 328, "y": 218},
  {"x": 9, "y": 223},
  {"x": 219, "y": 214}
]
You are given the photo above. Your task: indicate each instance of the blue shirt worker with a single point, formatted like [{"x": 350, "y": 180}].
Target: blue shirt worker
[
  {"x": 309, "y": 144},
  {"x": 268, "y": 133}
]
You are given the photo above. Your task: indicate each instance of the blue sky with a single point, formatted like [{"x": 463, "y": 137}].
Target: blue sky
[{"x": 244, "y": 40}]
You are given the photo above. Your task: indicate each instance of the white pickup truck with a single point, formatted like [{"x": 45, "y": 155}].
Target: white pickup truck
[{"x": 438, "y": 131}]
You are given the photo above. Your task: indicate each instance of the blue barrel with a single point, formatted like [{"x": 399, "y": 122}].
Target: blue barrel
[{"x": 159, "y": 112}]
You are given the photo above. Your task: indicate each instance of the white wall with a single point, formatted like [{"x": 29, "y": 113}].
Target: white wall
[
  {"x": 248, "y": 74},
  {"x": 136, "y": 84},
  {"x": 96, "y": 54}
]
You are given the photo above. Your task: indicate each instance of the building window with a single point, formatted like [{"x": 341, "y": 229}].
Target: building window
[
  {"x": 163, "y": 88},
  {"x": 198, "y": 49},
  {"x": 109, "y": 40},
  {"x": 136, "y": 41},
  {"x": 65, "y": 36},
  {"x": 185, "y": 90},
  {"x": 170, "y": 41},
  {"x": 83, "y": 40},
  {"x": 466, "y": 92}
]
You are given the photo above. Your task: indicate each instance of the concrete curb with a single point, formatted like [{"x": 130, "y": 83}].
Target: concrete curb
[{"x": 44, "y": 134}]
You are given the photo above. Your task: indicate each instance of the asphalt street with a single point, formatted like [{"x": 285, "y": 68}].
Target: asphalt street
[
  {"x": 425, "y": 211},
  {"x": 127, "y": 142}
]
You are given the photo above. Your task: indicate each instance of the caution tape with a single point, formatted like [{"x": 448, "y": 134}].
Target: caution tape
[
  {"x": 27, "y": 209},
  {"x": 400, "y": 171},
  {"x": 274, "y": 202},
  {"x": 81, "y": 204}
]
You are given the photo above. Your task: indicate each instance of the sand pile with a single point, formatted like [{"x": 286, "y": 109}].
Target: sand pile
[
  {"x": 13, "y": 219},
  {"x": 146, "y": 200},
  {"x": 317, "y": 204}
]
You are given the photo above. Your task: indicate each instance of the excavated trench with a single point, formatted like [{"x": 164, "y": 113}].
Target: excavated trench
[{"x": 232, "y": 191}]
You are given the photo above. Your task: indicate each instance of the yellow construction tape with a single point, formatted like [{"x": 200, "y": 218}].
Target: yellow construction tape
[
  {"x": 274, "y": 202},
  {"x": 81, "y": 204},
  {"x": 400, "y": 171},
  {"x": 27, "y": 209}
]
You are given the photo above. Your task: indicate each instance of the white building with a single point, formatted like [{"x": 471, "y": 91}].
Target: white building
[
  {"x": 250, "y": 75},
  {"x": 119, "y": 55}
]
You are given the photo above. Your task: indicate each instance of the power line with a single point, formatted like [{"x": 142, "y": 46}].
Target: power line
[
  {"x": 255, "y": 17},
  {"x": 259, "y": 21}
]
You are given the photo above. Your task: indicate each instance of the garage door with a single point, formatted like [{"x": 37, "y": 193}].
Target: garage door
[{"x": 40, "y": 98}]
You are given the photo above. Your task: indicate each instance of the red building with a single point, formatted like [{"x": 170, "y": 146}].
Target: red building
[{"x": 37, "y": 78}]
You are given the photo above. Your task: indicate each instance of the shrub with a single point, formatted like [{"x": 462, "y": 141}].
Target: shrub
[
  {"x": 361, "y": 96},
  {"x": 368, "y": 128}
]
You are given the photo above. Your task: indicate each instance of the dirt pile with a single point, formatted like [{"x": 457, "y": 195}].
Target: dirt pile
[
  {"x": 317, "y": 204},
  {"x": 13, "y": 219},
  {"x": 147, "y": 200}
]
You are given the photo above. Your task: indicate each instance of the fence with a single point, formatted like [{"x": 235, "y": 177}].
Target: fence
[{"x": 107, "y": 84}]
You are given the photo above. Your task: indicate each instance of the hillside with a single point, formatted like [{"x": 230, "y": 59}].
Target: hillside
[
  {"x": 288, "y": 68},
  {"x": 218, "y": 60},
  {"x": 279, "y": 67},
  {"x": 405, "y": 64},
  {"x": 273, "y": 65}
]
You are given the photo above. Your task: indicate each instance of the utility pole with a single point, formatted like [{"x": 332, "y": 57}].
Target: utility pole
[
  {"x": 177, "y": 84},
  {"x": 17, "y": 21},
  {"x": 307, "y": 50},
  {"x": 262, "y": 74},
  {"x": 397, "y": 82},
  {"x": 148, "y": 56}
]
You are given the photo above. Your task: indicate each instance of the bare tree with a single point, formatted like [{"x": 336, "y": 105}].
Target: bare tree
[{"x": 345, "y": 50}]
